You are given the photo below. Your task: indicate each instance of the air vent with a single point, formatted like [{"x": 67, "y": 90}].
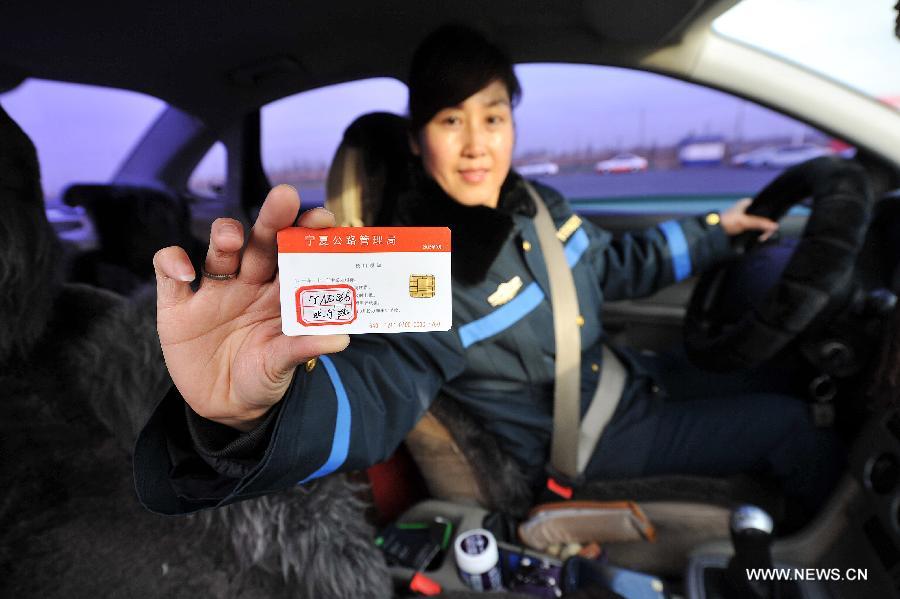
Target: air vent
[{"x": 882, "y": 473}]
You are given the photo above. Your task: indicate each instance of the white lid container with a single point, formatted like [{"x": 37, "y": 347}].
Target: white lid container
[{"x": 477, "y": 558}]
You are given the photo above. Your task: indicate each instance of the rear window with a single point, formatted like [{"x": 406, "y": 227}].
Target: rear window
[{"x": 82, "y": 133}]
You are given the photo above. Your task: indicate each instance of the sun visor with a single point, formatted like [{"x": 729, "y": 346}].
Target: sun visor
[
  {"x": 10, "y": 78},
  {"x": 639, "y": 21}
]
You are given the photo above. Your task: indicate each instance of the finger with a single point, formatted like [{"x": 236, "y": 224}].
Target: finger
[
  {"x": 759, "y": 223},
  {"x": 317, "y": 218},
  {"x": 289, "y": 352},
  {"x": 277, "y": 212},
  {"x": 174, "y": 273},
  {"x": 769, "y": 231},
  {"x": 225, "y": 241}
]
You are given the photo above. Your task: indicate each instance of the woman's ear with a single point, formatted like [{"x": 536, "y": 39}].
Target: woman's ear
[{"x": 413, "y": 144}]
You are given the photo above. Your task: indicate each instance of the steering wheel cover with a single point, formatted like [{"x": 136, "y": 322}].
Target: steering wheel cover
[{"x": 820, "y": 267}]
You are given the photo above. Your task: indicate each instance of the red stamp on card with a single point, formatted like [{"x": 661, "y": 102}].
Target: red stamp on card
[{"x": 319, "y": 305}]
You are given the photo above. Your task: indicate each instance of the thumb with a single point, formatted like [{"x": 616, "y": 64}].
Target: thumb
[
  {"x": 760, "y": 223},
  {"x": 289, "y": 352},
  {"x": 768, "y": 230}
]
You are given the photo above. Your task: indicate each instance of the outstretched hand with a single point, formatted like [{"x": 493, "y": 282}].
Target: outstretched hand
[
  {"x": 223, "y": 344},
  {"x": 735, "y": 221}
]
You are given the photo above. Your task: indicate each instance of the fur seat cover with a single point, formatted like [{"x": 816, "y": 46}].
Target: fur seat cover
[{"x": 80, "y": 370}]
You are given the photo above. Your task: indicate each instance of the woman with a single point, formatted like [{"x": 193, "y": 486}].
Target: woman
[{"x": 254, "y": 422}]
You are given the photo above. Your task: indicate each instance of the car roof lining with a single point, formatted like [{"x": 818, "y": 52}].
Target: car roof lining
[{"x": 227, "y": 61}]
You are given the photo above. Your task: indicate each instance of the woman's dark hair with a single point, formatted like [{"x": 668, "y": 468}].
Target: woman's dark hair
[{"x": 450, "y": 65}]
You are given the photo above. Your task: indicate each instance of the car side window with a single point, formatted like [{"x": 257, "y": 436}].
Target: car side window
[
  {"x": 621, "y": 140},
  {"x": 82, "y": 133},
  {"x": 208, "y": 178},
  {"x": 300, "y": 133}
]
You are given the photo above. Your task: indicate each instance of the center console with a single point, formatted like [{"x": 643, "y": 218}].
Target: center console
[
  {"x": 850, "y": 550},
  {"x": 524, "y": 572}
]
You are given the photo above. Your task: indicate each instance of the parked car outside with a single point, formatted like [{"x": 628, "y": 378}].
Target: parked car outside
[
  {"x": 755, "y": 158},
  {"x": 701, "y": 150},
  {"x": 622, "y": 163},
  {"x": 786, "y": 156},
  {"x": 536, "y": 169}
]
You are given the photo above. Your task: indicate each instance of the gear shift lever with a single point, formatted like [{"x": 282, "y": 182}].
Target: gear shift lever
[{"x": 751, "y": 534}]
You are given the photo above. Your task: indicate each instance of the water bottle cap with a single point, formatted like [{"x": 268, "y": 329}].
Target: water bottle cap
[{"x": 476, "y": 551}]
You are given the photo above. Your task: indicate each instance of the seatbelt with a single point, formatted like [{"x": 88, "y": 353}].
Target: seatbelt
[
  {"x": 573, "y": 441},
  {"x": 567, "y": 384},
  {"x": 606, "y": 397}
]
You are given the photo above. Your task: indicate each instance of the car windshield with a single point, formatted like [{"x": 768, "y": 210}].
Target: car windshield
[{"x": 852, "y": 43}]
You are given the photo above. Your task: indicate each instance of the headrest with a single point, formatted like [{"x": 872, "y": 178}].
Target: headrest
[
  {"x": 382, "y": 136},
  {"x": 94, "y": 196},
  {"x": 133, "y": 222},
  {"x": 370, "y": 169}
]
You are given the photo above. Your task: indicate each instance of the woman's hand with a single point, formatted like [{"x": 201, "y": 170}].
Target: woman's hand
[
  {"x": 735, "y": 221},
  {"x": 223, "y": 345}
]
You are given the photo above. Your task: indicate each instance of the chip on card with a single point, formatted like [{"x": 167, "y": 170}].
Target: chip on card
[{"x": 364, "y": 280}]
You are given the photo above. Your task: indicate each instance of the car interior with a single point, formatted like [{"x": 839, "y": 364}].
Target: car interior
[{"x": 816, "y": 306}]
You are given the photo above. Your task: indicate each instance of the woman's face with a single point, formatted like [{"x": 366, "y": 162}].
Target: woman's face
[{"x": 467, "y": 148}]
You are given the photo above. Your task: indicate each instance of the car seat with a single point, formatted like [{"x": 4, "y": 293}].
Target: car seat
[
  {"x": 132, "y": 222},
  {"x": 29, "y": 251},
  {"x": 459, "y": 460},
  {"x": 369, "y": 170},
  {"x": 80, "y": 372}
]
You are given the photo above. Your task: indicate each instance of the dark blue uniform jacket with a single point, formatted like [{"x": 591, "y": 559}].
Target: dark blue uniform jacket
[{"x": 355, "y": 407}]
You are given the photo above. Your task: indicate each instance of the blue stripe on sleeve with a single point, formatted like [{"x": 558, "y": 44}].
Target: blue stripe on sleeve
[
  {"x": 678, "y": 246},
  {"x": 576, "y": 246},
  {"x": 503, "y": 317},
  {"x": 340, "y": 444}
]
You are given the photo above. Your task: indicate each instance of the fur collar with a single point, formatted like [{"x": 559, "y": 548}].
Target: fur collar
[{"x": 478, "y": 232}]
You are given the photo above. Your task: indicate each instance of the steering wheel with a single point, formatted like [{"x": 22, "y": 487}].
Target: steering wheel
[{"x": 718, "y": 337}]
